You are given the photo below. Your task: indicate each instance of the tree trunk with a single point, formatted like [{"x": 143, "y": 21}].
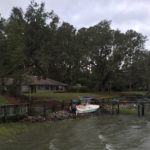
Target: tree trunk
[
  {"x": 109, "y": 87},
  {"x": 2, "y": 86},
  {"x": 130, "y": 85}
]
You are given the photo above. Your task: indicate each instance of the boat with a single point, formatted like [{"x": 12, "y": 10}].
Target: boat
[
  {"x": 85, "y": 106},
  {"x": 88, "y": 108}
]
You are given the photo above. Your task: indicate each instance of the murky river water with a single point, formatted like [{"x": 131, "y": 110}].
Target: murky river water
[{"x": 93, "y": 133}]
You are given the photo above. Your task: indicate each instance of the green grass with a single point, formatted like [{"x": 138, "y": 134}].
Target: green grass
[
  {"x": 127, "y": 111},
  {"x": 46, "y": 95},
  {"x": 134, "y": 93},
  {"x": 3, "y": 100},
  {"x": 69, "y": 96},
  {"x": 12, "y": 129}
]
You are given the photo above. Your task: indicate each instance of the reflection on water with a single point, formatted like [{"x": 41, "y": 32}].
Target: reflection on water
[{"x": 104, "y": 132}]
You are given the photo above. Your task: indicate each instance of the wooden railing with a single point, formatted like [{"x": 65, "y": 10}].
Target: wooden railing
[
  {"x": 43, "y": 108},
  {"x": 13, "y": 112}
]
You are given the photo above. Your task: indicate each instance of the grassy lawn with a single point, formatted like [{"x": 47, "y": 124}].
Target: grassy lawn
[
  {"x": 10, "y": 129},
  {"x": 46, "y": 95},
  {"x": 69, "y": 96},
  {"x": 128, "y": 111},
  {"x": 134, "y": 93},
  {"x": 13, "y": 129},
  {"x": 3, "y": 100}
]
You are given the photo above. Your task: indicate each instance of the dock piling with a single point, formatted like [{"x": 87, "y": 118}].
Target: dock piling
[
  {"x": 118, "y": 109},
  {"x": 143, "y": 109}
]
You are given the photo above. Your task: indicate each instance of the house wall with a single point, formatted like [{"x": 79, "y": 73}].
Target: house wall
[
  {"x": 35, "y": 88},
  {"x": 46, "y": 87},
  {"x": 50, "y": 88},
  {"x": 25, "y": 88}
]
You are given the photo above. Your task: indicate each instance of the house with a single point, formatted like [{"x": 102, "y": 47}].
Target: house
[
  {"x": 40, "y": 84},
  {"x": 34, "y": 84},
  {"x": 4, "y": 83}
]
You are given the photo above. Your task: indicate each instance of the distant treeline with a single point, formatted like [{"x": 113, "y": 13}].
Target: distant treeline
[{"x": 35, "y": 42}]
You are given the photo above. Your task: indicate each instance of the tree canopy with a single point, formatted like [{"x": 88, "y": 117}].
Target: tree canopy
[{"x": 35, "y": 42}]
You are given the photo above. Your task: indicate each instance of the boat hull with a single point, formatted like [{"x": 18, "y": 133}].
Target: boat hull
[{"x": 87, "y": 108}]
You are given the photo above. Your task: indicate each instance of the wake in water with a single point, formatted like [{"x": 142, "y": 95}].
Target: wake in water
[
  {"x": 109, "y": 147},
  {"x": 103, "y": 139},
  {"x": 51, "y": 145}
]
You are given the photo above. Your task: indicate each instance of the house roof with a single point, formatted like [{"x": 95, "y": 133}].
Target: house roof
[
  {"x": 34, "y": 80},
  {"x": 7, "y": 81},
  {"x": 40, "y": 81}
]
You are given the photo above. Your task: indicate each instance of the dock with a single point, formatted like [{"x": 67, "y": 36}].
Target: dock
[{"x": 48, "y": 108}]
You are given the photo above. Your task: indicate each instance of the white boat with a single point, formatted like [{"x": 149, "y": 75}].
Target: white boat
[{"x": 87, "y": 108}]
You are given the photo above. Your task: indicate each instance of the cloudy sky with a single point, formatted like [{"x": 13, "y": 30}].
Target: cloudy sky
[{"x": 124, "y": 14}]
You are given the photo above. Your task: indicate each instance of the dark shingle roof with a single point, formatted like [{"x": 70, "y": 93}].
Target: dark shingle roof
[
  {"x": 34, "y": 80},
  {"x": 7, "y": 81},
  {"x": 40, "y": 81}
]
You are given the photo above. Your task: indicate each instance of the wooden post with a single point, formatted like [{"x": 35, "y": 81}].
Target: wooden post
[
  {"x": 112, "y": 112},
  {"x": 139, "y": 110},
  {"x": 28, "y": 110},
  {"x": 143, "y": 109},
  {"x": 16, "y": 112},
  {"x": 5, "y": 113},
  {"x": 62, "y": 105},
  {"x": 1, "y": 115},
  {"x": 53, "y": 107},
  {"x": 109, "y": 88},
  {"x": 118, "y": 109},
  {"x": 100, "y": 106},
  {"x": 44, "y": 110}
]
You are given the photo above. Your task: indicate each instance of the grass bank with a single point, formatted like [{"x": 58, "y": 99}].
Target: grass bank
[
  {"x": 135, "y": 93},
  {"x": 128, "y": 111},
  {"x": 46, "y": 95},
  {"x": 12, "y": 129},
  {"x": 3, "y": 100},
  {"x": 17, "y": 128},
  {"x": 68, "y": 96}
]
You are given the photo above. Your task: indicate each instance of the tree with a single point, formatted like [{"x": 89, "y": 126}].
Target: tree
[
  {"x": 36, "y": 43},
  {"x": 14, "y": 31},
  {"x": 3, "y": 54},
  {"x": 12, "y": 62},
  {"x": 66, "y": 56},
  {"x": 134, "y": 44},
  {"x": 100, "y": 47},
  {"x": 36, "y": 38}
]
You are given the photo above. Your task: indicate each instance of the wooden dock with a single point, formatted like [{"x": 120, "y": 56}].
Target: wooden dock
[
  {"x": 13, "y": 112},
  {"x": 44, "y": 108}
]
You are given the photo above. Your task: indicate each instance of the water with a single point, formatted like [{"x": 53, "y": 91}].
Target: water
[{"x": 93, "y": 133}]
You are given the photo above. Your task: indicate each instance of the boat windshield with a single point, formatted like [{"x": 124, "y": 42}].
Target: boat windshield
[{"x": 85, "y": 100}]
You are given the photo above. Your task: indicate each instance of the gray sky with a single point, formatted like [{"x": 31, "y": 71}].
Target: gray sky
[{"x": 124, "y": 14}]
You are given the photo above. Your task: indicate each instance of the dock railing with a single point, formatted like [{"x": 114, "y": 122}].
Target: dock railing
[{"x": 12, "y": 112}]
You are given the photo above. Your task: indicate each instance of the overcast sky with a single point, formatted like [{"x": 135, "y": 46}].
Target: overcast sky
[{"x": 124, "y": 14}]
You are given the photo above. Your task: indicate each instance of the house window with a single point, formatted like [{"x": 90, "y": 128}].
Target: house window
[{"x": 47, "y": 87}]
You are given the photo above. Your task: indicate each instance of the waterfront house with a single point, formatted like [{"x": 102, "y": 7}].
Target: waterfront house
[
  {"x": 35, "y": 84},
  {"x": 41, "y": 84}
]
